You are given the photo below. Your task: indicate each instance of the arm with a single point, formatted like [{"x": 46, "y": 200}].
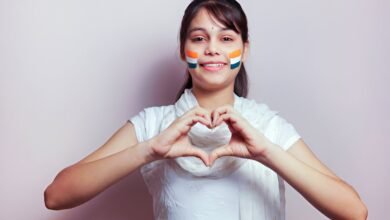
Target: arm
[
  {"x": 80, "y": 182},
  {"x": 118, "y": 157},
  {"x": 298, "y": 166},
  {"x": 314, "y": 181}
]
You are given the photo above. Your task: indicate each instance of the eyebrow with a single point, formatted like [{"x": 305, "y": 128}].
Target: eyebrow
[{"x": 204, "y": 30}]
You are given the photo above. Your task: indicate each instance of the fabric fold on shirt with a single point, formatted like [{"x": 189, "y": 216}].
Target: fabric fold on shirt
[{"x": 260, "y": 189}]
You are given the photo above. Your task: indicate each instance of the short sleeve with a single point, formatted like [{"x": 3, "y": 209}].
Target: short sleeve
[
  {"x": 281, "y": 132},
  {"x": 148, "y": 121},
  {"x": 139, "y": 123}
]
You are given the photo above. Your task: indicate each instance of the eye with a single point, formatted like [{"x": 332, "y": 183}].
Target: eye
[
  {"x": 227, "y": 39},
  {"x": 198, "y": 39}
]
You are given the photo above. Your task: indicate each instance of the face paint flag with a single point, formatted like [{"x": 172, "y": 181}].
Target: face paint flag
[
  {"x": 192, "y": 59},
  {"x": 235, "y": 59}
]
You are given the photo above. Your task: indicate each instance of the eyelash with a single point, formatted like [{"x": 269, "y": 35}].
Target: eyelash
[
  {"x": 228, "y": 39},
  {"x": 198, "y": 39}
]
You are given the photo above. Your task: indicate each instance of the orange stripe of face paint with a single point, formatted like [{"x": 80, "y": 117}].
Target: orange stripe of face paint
[
  {"x": 191, "y": 54},
  {"x": 235, "y": 53}
]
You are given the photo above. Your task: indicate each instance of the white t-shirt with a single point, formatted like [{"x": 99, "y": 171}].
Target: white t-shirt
[{"x": 178, "y": 195}]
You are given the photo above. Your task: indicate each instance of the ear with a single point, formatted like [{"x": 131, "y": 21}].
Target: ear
[{"x": 245, "y": 52}]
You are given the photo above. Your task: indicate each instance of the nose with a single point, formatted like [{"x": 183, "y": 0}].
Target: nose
[{"x": 212, "y": 48}]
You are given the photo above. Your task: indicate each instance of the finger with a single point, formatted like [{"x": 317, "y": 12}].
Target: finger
[
  {"x": 224, "y": 109},
  {"x": 220, "y": 111},
  {"x": 219, "y": 152},
  {"x": 206, "y": 116},
  {"x": 187, "y": 123},
  {"x": 198, "y": 153},
  {"x": 202, "y": 155},
  {"x": 195, "y": 119},
  {"x": 228, "y": 117},
  {"x": 215, "y": 118},
  {"x": 237, "y": 124},
  {"x": 199, "y": 111}
]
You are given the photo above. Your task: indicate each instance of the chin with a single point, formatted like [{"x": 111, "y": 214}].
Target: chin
[{"x": 213, "y": 85}]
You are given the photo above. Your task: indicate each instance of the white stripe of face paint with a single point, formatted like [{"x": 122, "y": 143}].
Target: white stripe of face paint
[
  {"x": 192, "y": 60},
  {"x": 235, "y": 60}
]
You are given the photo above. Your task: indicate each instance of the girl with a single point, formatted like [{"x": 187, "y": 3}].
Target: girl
[{"x": 213, "y": 154}]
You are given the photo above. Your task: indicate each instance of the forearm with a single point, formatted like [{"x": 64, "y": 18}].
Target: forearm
[
  {"x": 81, "y": 182},
  {"x": 333, "y": 197}
]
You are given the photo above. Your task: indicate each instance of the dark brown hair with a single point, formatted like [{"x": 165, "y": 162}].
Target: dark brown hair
[{"x": 228, "y": 13}]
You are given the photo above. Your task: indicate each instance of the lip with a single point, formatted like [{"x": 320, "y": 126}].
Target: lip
[{"x": 213, "y": 66}]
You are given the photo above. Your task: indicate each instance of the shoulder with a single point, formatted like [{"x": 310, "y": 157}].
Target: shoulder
[
  {"x": 259, "y": 107},
  {"x": 258, "y": 112},
  {"x": 148, "y": 121},
  {"x": 158, "y": 111},
  {"x": 275, "y": 127},
  {"x": 155, "y": 112}
]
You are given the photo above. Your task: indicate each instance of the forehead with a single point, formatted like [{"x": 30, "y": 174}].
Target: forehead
[{"x": 205, "y": 20}]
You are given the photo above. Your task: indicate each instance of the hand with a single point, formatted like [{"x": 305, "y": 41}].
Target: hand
[
  {"x": 246, "y": 141},
  {"x": 174, "y": 142}
]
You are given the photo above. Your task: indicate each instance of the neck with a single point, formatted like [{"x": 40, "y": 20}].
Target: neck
[{"x": 211, "y": 100}]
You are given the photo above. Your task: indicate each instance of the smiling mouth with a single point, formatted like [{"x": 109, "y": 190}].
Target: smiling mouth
[{"x": 213, "y": 67}]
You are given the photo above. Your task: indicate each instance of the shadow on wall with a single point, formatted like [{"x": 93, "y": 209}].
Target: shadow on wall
[
  {"x": 129, "y": 198},
  {"x": 162, "y": 82}
]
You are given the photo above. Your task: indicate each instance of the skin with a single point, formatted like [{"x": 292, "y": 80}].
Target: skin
[{"x": 122, "y": 153}]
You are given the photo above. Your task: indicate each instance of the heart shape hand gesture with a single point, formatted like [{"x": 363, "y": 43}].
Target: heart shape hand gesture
[
  {"x": 174, "y": 142},
  {"x": 245, "y": 142}
]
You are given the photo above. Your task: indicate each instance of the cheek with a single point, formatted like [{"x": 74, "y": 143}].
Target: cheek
[
  {"x": 191, "y": 58},
  {"x": 235, "y": 59}
]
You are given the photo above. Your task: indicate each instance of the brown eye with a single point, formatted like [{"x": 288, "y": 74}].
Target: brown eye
[
  {"x": 227, "y": 39},
  {"x": 197, "y": 39}
]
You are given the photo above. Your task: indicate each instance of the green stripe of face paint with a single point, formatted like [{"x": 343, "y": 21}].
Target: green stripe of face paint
[
  {"x": 192, "y": 65},
  {"x": 233, "y": 66}
]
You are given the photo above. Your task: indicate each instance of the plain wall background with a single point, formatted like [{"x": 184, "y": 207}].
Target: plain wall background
[{"x": 72, "y": 73}]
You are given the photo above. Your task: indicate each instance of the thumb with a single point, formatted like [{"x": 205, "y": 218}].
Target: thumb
[
  {"x": 219, "y": 152},
  {"x": 200, "y": 154}
]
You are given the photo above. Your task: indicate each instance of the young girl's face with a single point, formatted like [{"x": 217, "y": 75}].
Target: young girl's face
[{"x": 214, "y": 53}]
